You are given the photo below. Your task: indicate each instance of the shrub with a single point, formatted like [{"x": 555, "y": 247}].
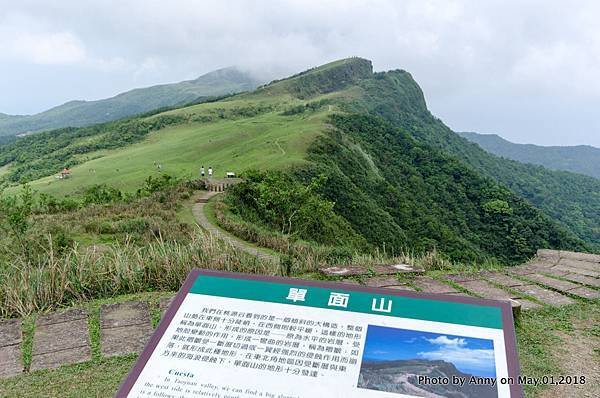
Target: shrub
[
  {"x": 98, "y": 194},
  {"x": 277, "y": 201}
]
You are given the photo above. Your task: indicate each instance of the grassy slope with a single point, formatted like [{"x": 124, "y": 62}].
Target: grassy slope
[
  {"x": 236, "y": 140},
  {"x": 268, "y": 140}
]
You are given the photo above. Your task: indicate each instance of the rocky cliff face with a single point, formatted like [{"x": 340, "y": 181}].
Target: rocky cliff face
[{"x": 403, "y": 377}]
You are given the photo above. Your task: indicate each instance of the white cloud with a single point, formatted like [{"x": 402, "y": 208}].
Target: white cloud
[
  {"x": 59, "y": 48},
  {"x": 26, "y": 39},
  {"x": 455, "y": 350},
  {"x": 445, "y": 341},
  {"x": 464, "y": 358},
  {"x": 570, "y": 68},
  {"x": 379, "y": 352},
  {"x": 525, "y": 70}
]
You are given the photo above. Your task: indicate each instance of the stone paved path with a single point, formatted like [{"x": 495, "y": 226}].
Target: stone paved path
[
  {"x": 379, "y": 269},
  {"x": 429, "y": 285},
  {"x": 546, "y": 296},
  {"x": 61, "y": 338},
  {"x": 387, "y": 281},
  {"x": 124, "y": 327},
  {"x": 484, "y": 289},
  {"x": 553, "y": 278},
  {"x": 10, "y": 348},
  {"x": 583, "y": 279},
  {"x": 564, "y": 286},
  {"x": 202, "y": 220},
  {"x": 527, "y": 288}
]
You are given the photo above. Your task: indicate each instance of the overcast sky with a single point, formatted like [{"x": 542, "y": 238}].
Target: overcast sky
[{"x": 527, "y": 70}]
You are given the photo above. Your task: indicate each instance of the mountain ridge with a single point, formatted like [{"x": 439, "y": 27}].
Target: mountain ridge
[
  {"x": 78, "y": 113},
  {"x": 571, "y": 199},
  {"x": 581, "y": 159},
  {"x": 327, "y": 78}
]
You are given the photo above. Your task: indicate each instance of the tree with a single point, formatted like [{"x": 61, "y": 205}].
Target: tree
[{"x": 15, "y": 214}]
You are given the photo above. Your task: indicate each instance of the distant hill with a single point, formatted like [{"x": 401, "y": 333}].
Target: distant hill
[
  {"x": 582, "y": 159},
  {"x": 130, "y": 103}
]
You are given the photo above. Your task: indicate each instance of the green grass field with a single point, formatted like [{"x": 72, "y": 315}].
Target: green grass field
[
  {"x": 268, "y": 140},
  {"x": 237, "y": 133}
]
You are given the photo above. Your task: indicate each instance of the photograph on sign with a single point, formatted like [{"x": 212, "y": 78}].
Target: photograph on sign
[
  {"x": 237, "y": 336},
  {"x": 400, "y": 360}
]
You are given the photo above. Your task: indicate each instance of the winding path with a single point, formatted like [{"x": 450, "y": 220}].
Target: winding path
[
  {"x": 279, "y": 146},
  {"x": 202, "y": 220}
]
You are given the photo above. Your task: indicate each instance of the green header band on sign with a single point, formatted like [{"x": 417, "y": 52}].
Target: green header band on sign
[{"x": 350, "y": 300}]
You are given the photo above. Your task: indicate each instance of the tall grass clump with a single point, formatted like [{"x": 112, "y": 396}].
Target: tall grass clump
[{"x": 54, "y": 280}]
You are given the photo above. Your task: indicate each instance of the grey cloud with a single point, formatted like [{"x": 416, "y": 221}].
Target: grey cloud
[{"x": 527, "y": 70}]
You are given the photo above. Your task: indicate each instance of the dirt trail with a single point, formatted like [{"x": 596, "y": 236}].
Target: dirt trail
[{"x": 203, "y": 221}]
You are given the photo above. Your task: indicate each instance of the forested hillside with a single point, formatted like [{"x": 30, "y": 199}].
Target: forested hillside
[
  {"x": 568, "y": 198},
  {"x": 402, "y": 193},
  {"x": 582, "y": 159},
  {"x": 83, "y": 113}
]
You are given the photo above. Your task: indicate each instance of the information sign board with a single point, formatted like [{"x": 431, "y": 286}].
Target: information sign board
[{"x": 229, "y": 335}]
